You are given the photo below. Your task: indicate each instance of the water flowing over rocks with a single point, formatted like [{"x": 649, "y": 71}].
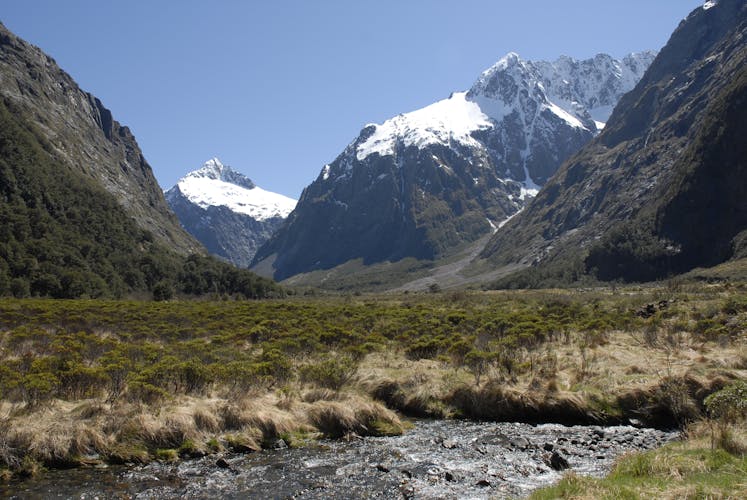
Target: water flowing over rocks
[{"x": 436, "y": 459}]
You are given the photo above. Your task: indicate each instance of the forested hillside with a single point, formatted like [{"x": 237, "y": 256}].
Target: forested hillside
[{"x": 63, "y": 235}]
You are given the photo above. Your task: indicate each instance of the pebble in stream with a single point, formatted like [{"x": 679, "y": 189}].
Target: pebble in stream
[{"x": 436, "y": 459}]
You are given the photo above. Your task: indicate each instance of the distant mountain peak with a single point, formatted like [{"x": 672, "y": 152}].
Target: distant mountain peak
[
  {"x": 226, "y": 211},
  {"x": 509, "y": 60},
  {"x": 579, "y": 92},
  {"x": 582, "y": 92},
  {"x": 215, "y": 185},
  {"x": 214, "y": 169}
]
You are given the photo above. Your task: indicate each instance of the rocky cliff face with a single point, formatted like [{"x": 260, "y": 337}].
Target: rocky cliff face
[
  {"x": 661, "y": 190},
  {"x": 83, "y": 134},
  {"x": 423, "y": 183},
  {"x": 227, "y": 212}
]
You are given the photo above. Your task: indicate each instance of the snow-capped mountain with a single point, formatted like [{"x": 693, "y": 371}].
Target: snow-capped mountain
[
  {"x": 226, "y": 211},
  {"x": 425, "y": 182}
]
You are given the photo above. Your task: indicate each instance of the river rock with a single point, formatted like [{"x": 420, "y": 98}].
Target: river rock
[
  {"x": 449, "y": 444},
  {"x": 558, "y": 462},
  {"x": 279, "y": 444},
  {"x": 548, "y": 446},
  {"x": 451, "y": 476},
  {"x": 222, "y": 463},
  {"x": 483, "y": 483},
  {"x": 407, "y": 491},
  {"x": 520, "y": 443},
  {"x": 382, "y": 468}
]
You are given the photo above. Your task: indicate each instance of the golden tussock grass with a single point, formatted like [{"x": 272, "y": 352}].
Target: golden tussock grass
[
  {"x": 206, "y": 419},
  {"x": 354, "y": 415},
  {"x": 621, "y": 378},
  {"x": 67, "y": 434},
  {"x": 54, "y": 441}
]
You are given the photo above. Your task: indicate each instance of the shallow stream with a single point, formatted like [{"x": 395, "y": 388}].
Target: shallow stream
[{"x": 435, "y": 459}]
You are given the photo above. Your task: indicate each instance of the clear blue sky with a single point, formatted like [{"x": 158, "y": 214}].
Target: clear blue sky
[{"x": 278, "y": 88}]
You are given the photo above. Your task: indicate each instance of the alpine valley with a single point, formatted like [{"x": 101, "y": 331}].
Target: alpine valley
[
  {"x": 227, "y": 212},
  {"x": 132, "y": 364},
  {"x": 423, "y": 185}
]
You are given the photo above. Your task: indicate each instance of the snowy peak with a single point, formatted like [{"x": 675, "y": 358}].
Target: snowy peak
[
  {"x": 216, "y": 185},
  {"x": 214, "y": 169},
  {"x": 581, "y": 93},
  {"x": 452, "y": 119},
  {"x": 583, "y": 88}
]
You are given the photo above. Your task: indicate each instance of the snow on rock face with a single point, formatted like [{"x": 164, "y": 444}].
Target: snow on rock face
[
  {"x": 709, "y": 4},
  {"x": 216, "y": 185},
  {"x": 581, "y": 93},
  {"x": 454, "y": 119},
  {"x": 214, "y": 169}
]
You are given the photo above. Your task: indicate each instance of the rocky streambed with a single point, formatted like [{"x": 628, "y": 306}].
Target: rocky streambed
[{"x": 435, "y": 459}]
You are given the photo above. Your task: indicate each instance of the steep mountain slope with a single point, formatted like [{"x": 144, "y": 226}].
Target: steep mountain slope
[
  {"x": 67, "y": 234},
  {"x": 82, "y": 133},
  {"x": 662, "y": 189},
  {"x": 227, "y": 212},
  {"x": 426, "y": 182}
]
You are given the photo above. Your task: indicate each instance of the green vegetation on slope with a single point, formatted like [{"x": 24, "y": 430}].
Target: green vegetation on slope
[{"x": 64, "y": 236}]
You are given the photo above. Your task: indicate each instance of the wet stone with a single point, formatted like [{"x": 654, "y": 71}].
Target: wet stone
[
  {"x": 449, "y": 444},
  {"x": 521, "y": 443},
  {"x": 558, "y": 462},
  {"x": 451, "y": 476},
  {"x": 499, "y": 454},
  {"x": 279, "y": 444}
]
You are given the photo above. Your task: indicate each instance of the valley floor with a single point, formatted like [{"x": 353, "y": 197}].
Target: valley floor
[{"x": 84, "y": 382}]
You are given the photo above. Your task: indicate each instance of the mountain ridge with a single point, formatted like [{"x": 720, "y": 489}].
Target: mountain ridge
[{"x": 426, "y": 182}]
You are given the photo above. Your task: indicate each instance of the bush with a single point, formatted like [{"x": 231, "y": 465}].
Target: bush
[
  {"x": 729, "y": 404},
  {"x": 163, "y": 291},
  {"x": 332, "y": 373},
  {"x": 479, "y": 362}
]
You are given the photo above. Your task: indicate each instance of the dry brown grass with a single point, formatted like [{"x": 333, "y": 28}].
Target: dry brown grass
[
  {"x": 354, "y": 415},
  {"x": 50, "y": 439},
  {"x": 313, "y": 395},
  {"x": 624, "y": 378},
  {"x": 206, "y": 419},
  {"x": 63, "y": 433}
]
